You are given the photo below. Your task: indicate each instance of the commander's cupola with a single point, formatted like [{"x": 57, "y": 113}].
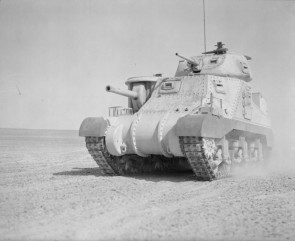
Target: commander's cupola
[{"x": 217, "y": 62}]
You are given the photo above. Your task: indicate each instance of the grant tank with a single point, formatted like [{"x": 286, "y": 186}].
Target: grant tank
[{"x": 207, "y": 117}]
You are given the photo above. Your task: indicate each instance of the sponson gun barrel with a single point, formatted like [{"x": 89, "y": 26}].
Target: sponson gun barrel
[
  {"x": 187, "y": 59},
  {"x": 127, "y": 93}
]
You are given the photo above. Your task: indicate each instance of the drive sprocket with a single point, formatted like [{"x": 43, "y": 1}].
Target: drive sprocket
[{"x": 201, "y": 155}]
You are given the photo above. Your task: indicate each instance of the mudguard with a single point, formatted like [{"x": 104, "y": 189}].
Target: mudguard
[
  {"x": 93, "y": 126},
  {"x": 212, "y": 126}
]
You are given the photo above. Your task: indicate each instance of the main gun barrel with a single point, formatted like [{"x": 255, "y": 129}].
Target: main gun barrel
[
  {"x": 187, "y": 59},
  {"x": 127, "y": 93}
]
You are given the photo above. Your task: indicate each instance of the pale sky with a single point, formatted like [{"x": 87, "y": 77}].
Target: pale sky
[{"x": 61, "y": 54}]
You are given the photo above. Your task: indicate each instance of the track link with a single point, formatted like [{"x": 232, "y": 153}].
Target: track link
[
  {"x": 200, "y": 157},
  {"x": 129, "y": 164},
  {"x": 194, "y": 148},
  {"x": 112, "y": 165},
  {"x": 96, "y": 148}
]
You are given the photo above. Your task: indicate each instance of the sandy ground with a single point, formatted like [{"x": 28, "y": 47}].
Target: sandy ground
[{"x": 51, "y": 189}]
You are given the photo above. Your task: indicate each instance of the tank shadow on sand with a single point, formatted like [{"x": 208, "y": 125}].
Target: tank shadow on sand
[{"x": 155, "y": 177}]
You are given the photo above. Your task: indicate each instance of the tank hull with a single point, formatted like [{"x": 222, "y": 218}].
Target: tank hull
[
  {"x": 159, "y": 135},
  {"x": 186, "y": 109}
]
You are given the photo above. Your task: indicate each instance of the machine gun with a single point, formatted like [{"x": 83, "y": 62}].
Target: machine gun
[{"x": 221, "y": 50}]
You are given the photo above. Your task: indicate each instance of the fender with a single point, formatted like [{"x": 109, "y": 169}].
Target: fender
[
  {"x": 93, "y": 126},
  {"x": 216, "y": 127}
]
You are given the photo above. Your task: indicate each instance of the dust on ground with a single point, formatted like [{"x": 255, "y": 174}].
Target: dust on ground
[{"x": 52, "y": 189}]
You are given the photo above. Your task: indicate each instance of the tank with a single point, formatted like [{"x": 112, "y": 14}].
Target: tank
[{"x": 207, "y": 118}]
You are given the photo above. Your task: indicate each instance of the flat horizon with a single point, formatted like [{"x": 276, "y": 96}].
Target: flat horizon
[{"x": 8, "y": 128}]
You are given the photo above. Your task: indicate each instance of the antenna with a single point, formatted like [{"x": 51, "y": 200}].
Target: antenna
[{"x": 204, "y": 17}]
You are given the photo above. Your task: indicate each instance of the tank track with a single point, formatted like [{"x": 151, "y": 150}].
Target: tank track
[
  {"x": 196, "y": 151},
  {"x": 199, "y": 153},
  {"x": 96, "y": 148},
  {"x": 128, "y": 164}
]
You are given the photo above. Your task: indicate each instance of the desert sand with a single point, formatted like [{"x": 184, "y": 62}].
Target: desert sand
[{"x": 51, "y": 189}]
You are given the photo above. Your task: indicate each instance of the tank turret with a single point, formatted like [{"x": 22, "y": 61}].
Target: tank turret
[
  {"x": 218, "y": 62},
  {"x": 206, "y": 118}
]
